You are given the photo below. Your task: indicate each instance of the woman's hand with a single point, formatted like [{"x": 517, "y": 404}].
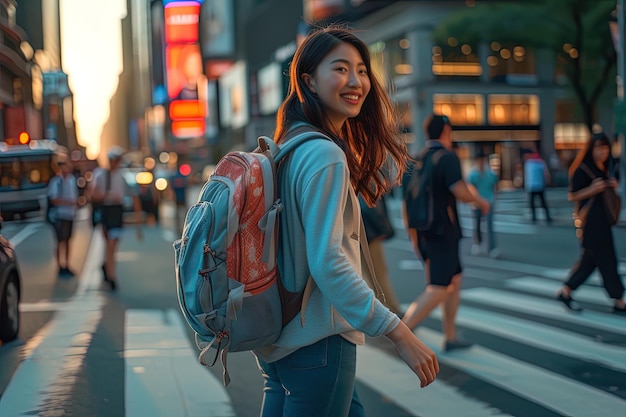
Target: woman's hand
[
  {"x": 613, "y": 183},
  {"x": 598, "y": 185},
  {"x": 420, "y": 358}
]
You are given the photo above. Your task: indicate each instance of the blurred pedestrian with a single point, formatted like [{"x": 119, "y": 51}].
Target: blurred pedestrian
[
  {"x": 439, "y": 247},
  {"x": 63, "y": 196},
  {"x": 179, "y": 185},
  {"x": 310, "y": 370},
  {"x": 96, "y": 206},
  {"x": 378, "y": 229},
  {"x": 150, "y": 199},
  {"x": 536, "y": 177},
  {"x": 485, "y": 181},
  {"x": 589, "y": 177},
  {"x": 108, "y": 189}
]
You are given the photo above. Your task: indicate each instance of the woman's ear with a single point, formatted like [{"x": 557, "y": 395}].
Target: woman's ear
[{"x": 308, "y": 81}]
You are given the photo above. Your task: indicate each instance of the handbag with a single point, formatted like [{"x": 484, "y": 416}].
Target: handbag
[
  {"x": 580, "y": 216},
  {"x": 376, "y": 220},
  {"x": 612, "y": 205}
]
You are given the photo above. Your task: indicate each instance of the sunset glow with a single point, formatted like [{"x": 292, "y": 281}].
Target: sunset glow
[{"x": 91, "y": 45}]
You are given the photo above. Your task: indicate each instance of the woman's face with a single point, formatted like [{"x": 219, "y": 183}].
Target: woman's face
[
  {"x": 601, "y": 152},
  {"x": 341, "y": 82}
]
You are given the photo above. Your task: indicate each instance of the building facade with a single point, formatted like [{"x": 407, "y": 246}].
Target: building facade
[
  {"x": 503, "y": 100},
  {"x": 21, "y": 83}
]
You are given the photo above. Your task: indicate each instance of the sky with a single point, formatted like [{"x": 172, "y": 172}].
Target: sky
[{"x": 91, "y": 47}]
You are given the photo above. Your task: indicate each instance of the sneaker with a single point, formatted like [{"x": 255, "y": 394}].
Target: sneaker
[
  {"x": 65, "y": 272},
  {"x": 456, "y": 344},
  {"x": 568, "y": 302},
  {"x": 495, "y": 253}
]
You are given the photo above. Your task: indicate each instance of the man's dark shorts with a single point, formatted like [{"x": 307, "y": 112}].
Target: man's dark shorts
[
  {"x": 443, "y": 254},
  {"x": 63, "y": 229}
]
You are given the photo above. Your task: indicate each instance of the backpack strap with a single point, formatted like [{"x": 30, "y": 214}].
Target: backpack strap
[
  {"x": 587, "y": 170},
  {"x": 296, "y": 137}
]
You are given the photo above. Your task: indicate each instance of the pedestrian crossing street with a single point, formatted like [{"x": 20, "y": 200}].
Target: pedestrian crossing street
[
  {"x": 531, "y": 357},
  {"x": 554, "y": 354}
]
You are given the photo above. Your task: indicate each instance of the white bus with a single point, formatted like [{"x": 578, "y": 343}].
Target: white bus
[{"x": 25, "y": 171}]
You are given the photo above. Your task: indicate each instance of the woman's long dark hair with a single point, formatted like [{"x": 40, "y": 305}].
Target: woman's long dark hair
[
  {"x": 371, "y": 141},
  {"x": 585, "y": 156}
]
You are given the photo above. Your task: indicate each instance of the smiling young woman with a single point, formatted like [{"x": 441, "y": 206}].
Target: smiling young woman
[{"x": 310, "y": 369}]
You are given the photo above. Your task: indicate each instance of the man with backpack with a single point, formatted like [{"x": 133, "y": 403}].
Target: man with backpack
[{"x": 431, "y": 190}]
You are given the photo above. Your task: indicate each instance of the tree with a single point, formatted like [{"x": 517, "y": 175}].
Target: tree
[{"x": 577, "y": 31}]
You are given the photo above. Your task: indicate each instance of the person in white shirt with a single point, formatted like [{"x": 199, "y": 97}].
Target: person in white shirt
[
  {"x": 108, "y": 189},
  {"x": 63, "y": 195}
]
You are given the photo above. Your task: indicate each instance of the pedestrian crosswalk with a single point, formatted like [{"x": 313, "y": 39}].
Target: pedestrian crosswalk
[
  {"x": 507, "y": 314},
  {"x": 531, "y": 357},
  {"x": 573, "y": 385}
]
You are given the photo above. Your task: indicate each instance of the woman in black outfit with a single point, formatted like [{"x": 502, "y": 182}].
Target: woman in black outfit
[{"x": 589, "y": 177}]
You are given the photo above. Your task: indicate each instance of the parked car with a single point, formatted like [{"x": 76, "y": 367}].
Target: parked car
[{"x": 9, "y": 291}]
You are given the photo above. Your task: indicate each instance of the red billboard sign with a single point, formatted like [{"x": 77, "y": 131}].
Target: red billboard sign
[{"x": 181, "y": 22}]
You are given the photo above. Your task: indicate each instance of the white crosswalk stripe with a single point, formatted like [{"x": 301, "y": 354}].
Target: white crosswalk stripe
[
  {"x": 555, "y": 392},
  {"x": 541, "y": 307}
]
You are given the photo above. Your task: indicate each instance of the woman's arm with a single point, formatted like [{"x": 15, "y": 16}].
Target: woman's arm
[{"x": 597, "y": 186}]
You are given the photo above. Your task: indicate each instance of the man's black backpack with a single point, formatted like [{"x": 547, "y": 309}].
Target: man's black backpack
[{"x": 418, "y": 191}]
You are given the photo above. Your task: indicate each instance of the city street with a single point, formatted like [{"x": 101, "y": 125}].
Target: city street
[{"x": 84, "y": 351}]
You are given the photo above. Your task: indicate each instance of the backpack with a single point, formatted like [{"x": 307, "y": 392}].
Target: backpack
[
  {"x": 228, "y": 285},
  {"x": 418, "y": 192}
]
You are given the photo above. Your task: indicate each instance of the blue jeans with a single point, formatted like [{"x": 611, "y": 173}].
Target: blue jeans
[
  {"x": 314, "y": 381},
  {"x": 478, "y": 236}
]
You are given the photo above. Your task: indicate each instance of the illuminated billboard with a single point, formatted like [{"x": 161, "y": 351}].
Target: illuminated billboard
[
  {"x": 186, "y": 82},
  {"x": 181, "y": 22}
]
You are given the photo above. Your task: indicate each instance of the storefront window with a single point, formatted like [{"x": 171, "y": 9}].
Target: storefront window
[
  {"x": 513, "y": 109},
  {"x": 456, "y": 59},
  {"x": 396, "y": 52},
  {"x": 570, "y": 135},
  {"x": 462, "y": 109}
]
